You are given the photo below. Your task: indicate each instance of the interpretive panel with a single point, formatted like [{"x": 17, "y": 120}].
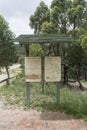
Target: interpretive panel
[
  {"x": 32, "y": 69},
  {"x": 52, "y": 69}
]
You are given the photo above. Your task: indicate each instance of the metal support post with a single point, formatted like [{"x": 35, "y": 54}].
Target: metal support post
[
  {"x": 28, "y": 94},
  {"x": 58, "y": 83},
  {"x": 58, "y": 93},
  {"x": 42, "y": 73},
  {"x": 27, "y": 83}
]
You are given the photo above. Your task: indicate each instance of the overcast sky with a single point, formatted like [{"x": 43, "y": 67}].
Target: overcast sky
[{"x": 17, "y": 13}]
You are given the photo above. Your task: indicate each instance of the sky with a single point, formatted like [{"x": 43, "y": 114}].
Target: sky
[{"x": 17, "y": 13}]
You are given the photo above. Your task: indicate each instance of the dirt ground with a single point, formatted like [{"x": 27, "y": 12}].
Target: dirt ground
[{"x": 33, "y": 120}]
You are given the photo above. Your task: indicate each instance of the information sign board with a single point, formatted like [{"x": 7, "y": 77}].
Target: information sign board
[
  {"x": 32, "y": 69},
  {"x": 52, "y": 69}
]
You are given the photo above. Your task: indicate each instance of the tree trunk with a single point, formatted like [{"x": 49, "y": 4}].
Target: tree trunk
[
  {"x": 0, "y": 69},
  {"x": 74, "y": 27},
  {"x": 65, "y": 74},
  {"x": 78, "y": 79},
  {"x": 8, "y": 76},
  {"x": 85, "y": 73}
]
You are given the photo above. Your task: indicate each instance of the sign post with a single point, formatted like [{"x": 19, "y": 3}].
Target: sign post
[
  {"x": 27, "y": 83},
  {"x": 42, "y": 73}
]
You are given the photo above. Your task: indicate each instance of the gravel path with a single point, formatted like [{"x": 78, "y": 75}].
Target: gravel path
[{"x": 33, "y": 120}]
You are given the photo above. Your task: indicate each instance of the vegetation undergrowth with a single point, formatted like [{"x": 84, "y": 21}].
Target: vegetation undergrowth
[{"x": 71, "y": 102}]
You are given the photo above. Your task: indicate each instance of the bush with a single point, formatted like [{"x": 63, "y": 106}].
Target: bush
[{"x": 74, "y": 102}]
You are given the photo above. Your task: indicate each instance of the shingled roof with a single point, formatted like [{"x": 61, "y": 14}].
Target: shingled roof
[{"x": 43, "y": 38}]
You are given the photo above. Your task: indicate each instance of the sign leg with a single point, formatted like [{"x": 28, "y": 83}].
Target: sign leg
[
  {"x": 28, "y": 94},
  {"x": 42, "y": 86},
  {"x": 42, "y": 75},
  {"x": 58, "y": 93}
]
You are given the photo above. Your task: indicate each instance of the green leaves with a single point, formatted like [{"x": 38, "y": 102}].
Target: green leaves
[
  {"x": 36, "y": 50},
  {"x": 84, "y": 42},
  {"x": 7, "y": 48},
  {"x": 65, "y": 16},
  {"x": 59, "y": 15},
  {"x": 48, "y": 28},
  {"x": 41, "y": 14},
  {"x": 3, "y": 27},
  {"x": 75, "y": 55}
]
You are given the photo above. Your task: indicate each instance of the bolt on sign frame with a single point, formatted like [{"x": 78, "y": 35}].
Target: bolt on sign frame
[{"x": 45, "y": 68}]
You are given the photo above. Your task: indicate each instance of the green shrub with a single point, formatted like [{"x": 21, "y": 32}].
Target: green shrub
[
  {"x": 36, "y": 50},
  {"x": 74, "y": 102}
]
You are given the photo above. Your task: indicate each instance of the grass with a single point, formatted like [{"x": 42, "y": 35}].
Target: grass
[
  {"x": 71, "y": 102},
  {"x": 15, "y": 71},
  {"x": 14, "y": 94},
  {"x": 74, "y": 103}
]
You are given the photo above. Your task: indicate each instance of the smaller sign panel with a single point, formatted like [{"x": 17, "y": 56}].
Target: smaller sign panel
[
  {"x": 52, "y": 69},
  {"x": 32, "y": 69}
]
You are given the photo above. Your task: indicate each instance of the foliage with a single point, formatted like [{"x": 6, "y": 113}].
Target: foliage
[
  {"x": 20, "y": 52},
  {"x": 75, "y": 55},
  {"x": 77, "y": 15},
  {"x": 7, "y": 48},
  {"x": 64, "y": 16},
  {"x": 84, "y": 41},
  {"x": 36, "y": 50},
  {"x": 70, "y": 100},
  {"x": 48, "y": 28},
  {"x": 7, "y": 54},
  {"x": 76, "y": 60},
  {"x": 40, "y": 15},
  {"x": 59, "y": 15},
  {"x": 68, "y": 17}
]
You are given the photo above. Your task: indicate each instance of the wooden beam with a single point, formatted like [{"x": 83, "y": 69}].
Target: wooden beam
[{"x": 26, "y": 49}]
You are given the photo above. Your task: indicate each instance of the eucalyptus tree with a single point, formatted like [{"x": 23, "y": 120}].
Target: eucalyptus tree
[
  {"x": 7, "y": 48},
  {"x": 63, "y": 17},
  {"x": 84, "y": 41},
  {"x": 48, "y": 28},
  {"x": 76, "y": 59},
  {"x": 41, "y": 14},
  {"x": 56, "y": 20},
  {"x": 77, "y": 15},
  {"x": 59, "y": 14}
]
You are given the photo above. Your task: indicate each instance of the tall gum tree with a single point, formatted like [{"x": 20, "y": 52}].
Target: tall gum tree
[
  {"x": 77, "y": 15},
  {"x": 41, "y": 14},
  {"x": 68, "y": 17},
  {"x": 59, "y": 14},
  {"x": 7, "y": 48}
]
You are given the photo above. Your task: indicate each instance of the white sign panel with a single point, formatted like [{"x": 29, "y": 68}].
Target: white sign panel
[
  {"x": 32, "y": 69},
  {"x": 52, "y": 69}
]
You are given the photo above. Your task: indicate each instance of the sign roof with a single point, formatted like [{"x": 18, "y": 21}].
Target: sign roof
[{"x": 43, "y": 38}]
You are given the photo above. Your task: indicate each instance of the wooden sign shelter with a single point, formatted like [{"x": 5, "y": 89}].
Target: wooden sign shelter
[{"x": 40, "y": 69}]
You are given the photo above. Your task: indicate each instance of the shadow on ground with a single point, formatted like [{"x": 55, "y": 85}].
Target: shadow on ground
[{"x": 49, "y": 115}]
